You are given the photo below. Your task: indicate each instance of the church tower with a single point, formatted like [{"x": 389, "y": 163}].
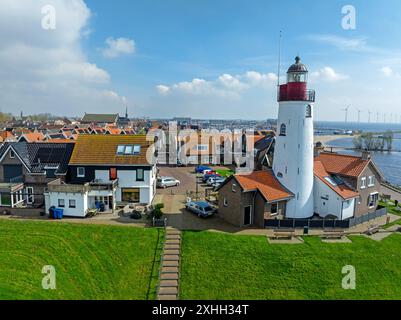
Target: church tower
[{"x": 293, "y": 153}]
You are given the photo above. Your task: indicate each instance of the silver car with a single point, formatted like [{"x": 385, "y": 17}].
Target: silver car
[{"x": 164, "y": 182}]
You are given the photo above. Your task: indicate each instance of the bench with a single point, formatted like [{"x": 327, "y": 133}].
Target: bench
[
  {"x": 284, "y": 233},
  {"x": 333, "y": 234},
  {"x": 372, "y": 230}
]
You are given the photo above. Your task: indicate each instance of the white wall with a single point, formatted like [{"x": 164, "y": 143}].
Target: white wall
[
  {"x": 335, "y": 205},
  {"x": 293, "y": 157},
  {"x": 127, "y": 179},
  {"x": 81, "y": 203}
]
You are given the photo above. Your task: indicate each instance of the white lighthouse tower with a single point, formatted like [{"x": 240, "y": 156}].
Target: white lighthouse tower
[{"x": 293, "y": 153}]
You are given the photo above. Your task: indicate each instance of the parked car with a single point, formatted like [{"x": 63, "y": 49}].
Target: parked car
[
  {"x": 201, "y": 208},
  {"x": 210, "y": 175},
  {"x": 164, "y": 182},
  {"x": 217, "y": 184},
  {"x": 212, "y": 180},
  {"x": 200, "y": 169}
]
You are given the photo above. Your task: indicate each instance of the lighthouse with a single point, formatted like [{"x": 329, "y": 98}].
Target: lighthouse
[{"x": 293, "y": 153}]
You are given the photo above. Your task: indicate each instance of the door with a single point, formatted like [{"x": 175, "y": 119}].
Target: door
[
  {"x": 30, "y": 196},
  {"x": 247, "y": 215}
]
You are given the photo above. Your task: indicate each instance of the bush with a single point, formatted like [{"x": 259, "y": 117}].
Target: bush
[{"x": 157, "y": 211}]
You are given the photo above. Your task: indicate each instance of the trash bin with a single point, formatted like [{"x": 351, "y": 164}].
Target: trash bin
[
  {"x": 101, "y": 207},
  {"x": 51, "y": 212},
  {"x": 306, "y": 230}
]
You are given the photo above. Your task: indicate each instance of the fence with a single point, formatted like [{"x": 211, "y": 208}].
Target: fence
[{"x": 324, "y": 223}]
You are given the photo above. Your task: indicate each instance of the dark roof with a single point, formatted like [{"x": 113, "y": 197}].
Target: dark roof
[
  {"x": 103, "y": 118},
  {"x": 39, "y": 155},
  {"x": 297, "y": 66}
]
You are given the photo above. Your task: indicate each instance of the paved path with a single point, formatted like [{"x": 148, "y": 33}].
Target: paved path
[{"x": 170, "y": 267}]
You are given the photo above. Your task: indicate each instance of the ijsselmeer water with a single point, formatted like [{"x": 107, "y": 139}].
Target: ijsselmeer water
[{"x": 388, "y": 162}]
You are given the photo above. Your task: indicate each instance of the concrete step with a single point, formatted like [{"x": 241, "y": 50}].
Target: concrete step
[
  {"x": 170, "y": 264},
  {"x": 172, "y": 241},
  {"x": 173, "y": 237},
  {"x": 167, "y": 297},
  {"x": 168, "y": 291},
  {"x": 174, "y": 252},
  {"x": 169, "y": 276},
  {"x": 173, "y": 232},
  {"x": 172, "y": 247},
  {"x": 169, "y": 270},
  {"x": 168, "y": 283},
  {"x": 171, "y": 257}
]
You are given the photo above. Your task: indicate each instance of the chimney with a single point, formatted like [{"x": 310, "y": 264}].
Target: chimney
[
  {"x": 366, "y": 155},
  {"x": 318, "y": 149}
]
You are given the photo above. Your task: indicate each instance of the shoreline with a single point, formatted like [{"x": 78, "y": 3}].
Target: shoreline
[{"x": 324, "y": 139}]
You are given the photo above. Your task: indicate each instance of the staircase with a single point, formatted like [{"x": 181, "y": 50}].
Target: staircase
[{"x": 169, "y": 275}]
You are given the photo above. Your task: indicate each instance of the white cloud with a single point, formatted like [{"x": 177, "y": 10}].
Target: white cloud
[
  {"x": 343, "y": 43},
  {"x": 46, "y": 70},
  {"x": 118, "y": 47},
  {"x": 226, "y": 85},
  {"x": 327, "y": 74},
  {"x": 387, "y": 71}
]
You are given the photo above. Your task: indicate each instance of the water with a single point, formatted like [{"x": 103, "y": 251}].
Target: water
[
  {"x": 388, "y": 162},
  {"x": 328, "y": 127}
]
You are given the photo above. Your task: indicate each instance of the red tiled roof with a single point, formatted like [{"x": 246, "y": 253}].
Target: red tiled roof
[
  {"x": 341, "y": 164},
  {"x": 342, "y": 190},
  {"x": 266, "y": 183}
]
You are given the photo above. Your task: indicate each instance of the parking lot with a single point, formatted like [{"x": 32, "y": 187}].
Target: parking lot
[{"x": 174, "y": 199}]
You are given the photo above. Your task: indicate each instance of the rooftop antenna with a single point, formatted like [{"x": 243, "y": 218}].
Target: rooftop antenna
[{"x": 279, "y": 60}]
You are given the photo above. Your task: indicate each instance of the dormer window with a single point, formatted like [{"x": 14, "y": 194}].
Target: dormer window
[
  {"x": 283, "y": 130},
  {"x": 128, "y": 150},
  {"x": 12, "y": 154}
]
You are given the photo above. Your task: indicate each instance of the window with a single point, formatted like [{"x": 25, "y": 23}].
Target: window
[
  {"x": 137, "y": 150},
  {"x": 363, "y": 183},
  {"x": 139, "y": 175},
  {"x": 12, "y": 154},
  {"x": 279, "y": 175},
  {"x": 283, "y": 130},
  {"x": 372, "y": 200},
  {"x": 112, "y": 174},
  {"x": 80, "y": 172},
  {"x": 30, "y": 197},
  {"x": 308, "y": 111},
  {"x": 274, "y": 209},
  {"x": 72, "y": 203},
  {"x": 128, "y": 150},
  {"x": 371, "y": 181},
  {"x": 61, "y": 203},
  {"x": 202, "y": 147},
  {"x": 225, "y": 202},
  {"x": 234, "y": 187},
  {"x": 130, "y": 195}
]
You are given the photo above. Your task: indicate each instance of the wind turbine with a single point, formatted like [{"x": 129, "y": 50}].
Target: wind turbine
[
  {"x": 346, "y": 113},
  {"x": 359, "y": 115},
  {"x": 377, "y": 116},
  {"x": 369, "y": 113}
]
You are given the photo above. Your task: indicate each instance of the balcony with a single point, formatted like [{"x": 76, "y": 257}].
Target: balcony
[{"x": 96, "y": 185}]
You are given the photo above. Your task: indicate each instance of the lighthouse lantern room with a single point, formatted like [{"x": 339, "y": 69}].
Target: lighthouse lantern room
[{"x": 293, "y": 155}]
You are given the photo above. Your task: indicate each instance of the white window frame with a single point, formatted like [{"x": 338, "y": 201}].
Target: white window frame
[
  {"x": 12, "y": 154},
  {"x": 30, "y": 198},
  {"x": 69, "y": 203},
  {"x": 81, "y": 175},
  {"x": 225, "y": 202},
  {"x": 58, "y": 203},
  {"x": 233, "y": 187},
  {"x": 363, "y": 183},
  {"x": 271, "y": 213},
  {"x": 371, "y": 181}
]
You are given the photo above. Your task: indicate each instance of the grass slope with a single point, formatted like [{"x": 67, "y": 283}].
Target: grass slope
[
  {"x": 221, "y": 266},
  {"x": 92, "y": 262}
]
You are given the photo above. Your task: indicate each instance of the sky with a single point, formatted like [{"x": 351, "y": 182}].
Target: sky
[{"x": 202, "y": 59}]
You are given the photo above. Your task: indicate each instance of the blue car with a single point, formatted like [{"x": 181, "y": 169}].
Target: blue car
[
  {"x": 201, "y": 208},
  {"x": 210, "y": 175},
  {"x": 200, "y": 169}
]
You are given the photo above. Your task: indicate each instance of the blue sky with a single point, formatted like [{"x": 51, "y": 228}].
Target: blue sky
[{"x": 230, "y": 49}]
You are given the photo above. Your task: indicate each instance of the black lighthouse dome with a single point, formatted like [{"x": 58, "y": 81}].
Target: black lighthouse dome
[{"x": 297, "y": 66}]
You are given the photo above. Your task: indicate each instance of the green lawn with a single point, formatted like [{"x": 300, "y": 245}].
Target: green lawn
[
  {"x": 223, "y": 266},
  {"x": 91, "y": 262},
  {"x": 225, "y": 172}
]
